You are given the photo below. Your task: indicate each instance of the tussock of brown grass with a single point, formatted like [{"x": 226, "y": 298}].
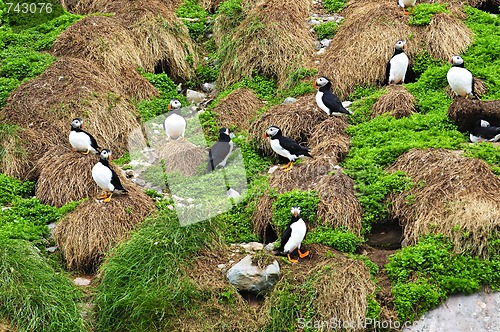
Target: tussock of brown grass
[
  {"x": 367, "y": 37},
  {"x": 65, "y": 176},
  {"x": 182, "y": 156},
  {"x": 398, "y": 102},
  {"x": 44, "y": 107},
  {"x": 17, "y": 148},
  {"x": 296, "y": 120},
  {"x": 338, "y": 204},
  {"x": 273, "y": 40},
  {"x": 453, "y": 195},
  {"x": 224, "y": 24},
  {"x": 465, "y": 112},
  {"x": 329, "y": 142},
  {"x": 88, "y": 233},
  {"x": 237, "y": 109},
  {"x": 158, "y": 35}
]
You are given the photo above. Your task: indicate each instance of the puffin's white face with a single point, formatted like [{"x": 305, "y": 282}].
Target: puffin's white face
[
  {"x": 484, "y": 123},
  {"x": 456, "y": 60},
  {"x": 322, "y": 81},
  {"x": 174, "y": 104},
  {"x": 105, "y": 153},
  {"x": 400, "y": 45},
  {"x": 295, "y": 211},
  {"x": 272, "y": 131},
  {"x": 77, "y": 123}
]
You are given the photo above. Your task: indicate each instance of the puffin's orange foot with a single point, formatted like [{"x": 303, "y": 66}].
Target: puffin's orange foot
[
  {"x": 288, "y": 168},
  {"x": 292, "y": 260},
  {"x": 108, "y": 198},
  {"x": 103, "y": 196},
  {"x": 302, "y": 255}
]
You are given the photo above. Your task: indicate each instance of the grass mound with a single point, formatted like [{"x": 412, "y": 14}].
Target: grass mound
[
  {"x": 329, "y": 142},
  {"x": 34, "y": 297},
  {"x": 466, "y": 112},
  {"x": 88, "y": 233},
  {"x": 451, "y": 195},
  {"x": 182, "y": 156},
  {"x": 398, "y": 102},
  {"x": 273, "y": 40},
  {"x": 237, "y": 109}
]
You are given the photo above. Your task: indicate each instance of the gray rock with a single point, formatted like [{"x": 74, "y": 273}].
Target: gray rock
[
  {"x": 179, "y": 87},
  {"x": 247, "y": 277},
  {"x": 321, "y": 51},
  {"x": 252, "y": 246},
  {"x": 325, "y": 42},
  {"x": 317, "y": 45},
  {"x": 82, "y": 281},
  {"x": 269, "y": 247},
  {"x": 289, "y": 100},
  {"x": 221, "y": 266},
  {"x": 231, "y": 193},
  {"x": 478, "y": 312},
  {"x": 140, "y": 182},
  {"x": 314, "y": 22},
  {"x": 51, "y": 249},
  {"x": 195, "y": 97},
  {"x": 208, "y": 87}
]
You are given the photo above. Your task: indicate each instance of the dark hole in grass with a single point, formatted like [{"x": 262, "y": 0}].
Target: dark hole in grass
[
  {"x": 252, "y": 298},
  {"x": 269, "y": 234},
  {"x": 385, "y": 235},
  {"x": 162, "y": 67}
]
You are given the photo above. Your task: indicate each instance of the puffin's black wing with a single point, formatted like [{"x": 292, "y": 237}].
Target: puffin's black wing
[
  {"x": 115, "y": 181},
  {"x": 333, "y": 103},
  {"x": 293, "y": 147},
  {"x": 217, "y": 154},
  {"x": 93, "y": 142},
  {"x": 486, "y": 132},
  {"x": 285, "y": 237},
  {"x": 387, "y": 72},
  {"x": 410, "y": 75}
]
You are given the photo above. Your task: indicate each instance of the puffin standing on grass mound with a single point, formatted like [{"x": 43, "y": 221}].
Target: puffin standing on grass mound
[
  {"x": 174, "y": 125},
  {"x": 405, "y": 4},
  {"x": 285, "y": 147},
  {"x": 459, "y": 78},
  {"x": 293, "y": 236},
  {"x": 220, "y": 151},
  {"x": 80, "y": 140},
  {"x": 106, "y": 178},
  {"x": 484, "y": 132},
  {"x": 325, "y": 98},
  {"x": 396, "y": 68}
]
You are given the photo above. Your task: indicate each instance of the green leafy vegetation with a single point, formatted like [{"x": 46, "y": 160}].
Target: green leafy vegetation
[
  {"x": 339, "y": 238},
  {"x": 34, "y": 296},
  {"x": 307, "y": 201},
  {"x": 11, "y": 188},
  {"x": 425, "y": 274},
  {"x": 326, "y": 30},
  {"x": 334, "y": 6},
  {"x": 195, "y": 18},
  {"x": 422, "y": 13},
  {"x": 485, "y": 151}
]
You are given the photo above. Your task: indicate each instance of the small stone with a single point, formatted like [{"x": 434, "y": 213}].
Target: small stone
[
  {"x": 317, "y": 45},
  {"x": 269, "y": 247},
  {"x": 272, "y": 169},
  {"x": 179, "y": 87},
  {"x": 140, "y": 182},
  {"x": 52, "y": 249},
  {"x": 208, "y": 87},
  {"x": 314, "y": 22},
  {"x": 221, "y": 266},
  {"x": 248, "y": 277},
  {"x": 231, "y": 193},
  {"x": 314, "y": 15},
  {"x": 231, "y": 261},
  {"x": 252, "y": 246},
  {"x": 325, "y": 42},
  {"x": 156, "y": 132},
  {"x": 51, "y": 226},
  {"x": 195, "y": 97},
  {"x": 289, "y": 100},
  {"x": 317, "y": 62},
  {"x": 81, "y": 281},
  {"x": 321, "y": 51}
]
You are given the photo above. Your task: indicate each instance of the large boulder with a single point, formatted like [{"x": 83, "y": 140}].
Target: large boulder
[{"x": 250, "y": 278}]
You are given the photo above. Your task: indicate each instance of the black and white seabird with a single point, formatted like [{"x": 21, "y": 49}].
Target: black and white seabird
[
  {"x": 293, "y": 236},
  {"x": 220, "y": 151},
  {"x": 174, "y": 125},
  {"x": 396, "y": 68},
  {"x": 459, "y": 78},
  {"x": 106, "y": 178},
  {"x": 326, "y": 99},
  {"x": 285, "y": 147},
  {"x": 484, "y": 132},
  {"x": 405, "y": 4},
  {"x": 80, "y": 140}
]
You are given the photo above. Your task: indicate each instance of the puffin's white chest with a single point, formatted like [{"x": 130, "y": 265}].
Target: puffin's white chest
[
  {"x": 275, "y": 145},
  {"x": 406, "y": 3},
  {"x": 80, "y": 141},
  {"x": 399, "y": 65},
  {"x": 460, "y": 81},
  {"x": 175, "y": 126},
  {"x": 102, "y": 176},
  {"x": 319, "y": 101},
  {"x": 299, "y": 230}
]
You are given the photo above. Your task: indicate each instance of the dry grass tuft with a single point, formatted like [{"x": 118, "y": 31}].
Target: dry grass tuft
[
  {"x": 44, "y": 107},
  {"x": 329, "y": 142},
  {"x": 338, "y": 204},
  {"x": 452, "y": 195},
  {"x": 465, "y": 112},
  {"x": 182, "y": 156},
  {"x": 237, "y": 109},
  {"x": 65, "y": 176},
  {"x": 296, "y": 120},
  {"x": 88, "y": 233},
  {"x": 273, "y": 40},
  {"x": 398, "y": 102},
  {"x": 367, "y": 37}
]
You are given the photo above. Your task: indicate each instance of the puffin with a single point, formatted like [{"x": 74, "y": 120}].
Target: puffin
[
  {"x": 405, "y": 4},
  {"x": 293, "y": 236},
  {"x": 285, "y": 147},
  {"x": 80, "y": 140},
  {"x": 396, "y": 68},
  {"x": 174, "y": 124},
  {"x": 220, "y": 151},
  {"x": 459, "y": 78},
  {"x": 326, "y": 99},
  {"x": 484, "y": 132},
  {"x": 106, "y": 178}
]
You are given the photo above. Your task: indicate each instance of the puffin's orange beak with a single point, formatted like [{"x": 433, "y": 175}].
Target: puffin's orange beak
[
  {"x": 264, "y": 135},
  {"x": 295, "y": 214},
  {"x": 450, "y": 60},
  {"x": 405, "y": 47},
  {"x": 314, "y": 85},
  {"x": 169, "y": 108}
]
